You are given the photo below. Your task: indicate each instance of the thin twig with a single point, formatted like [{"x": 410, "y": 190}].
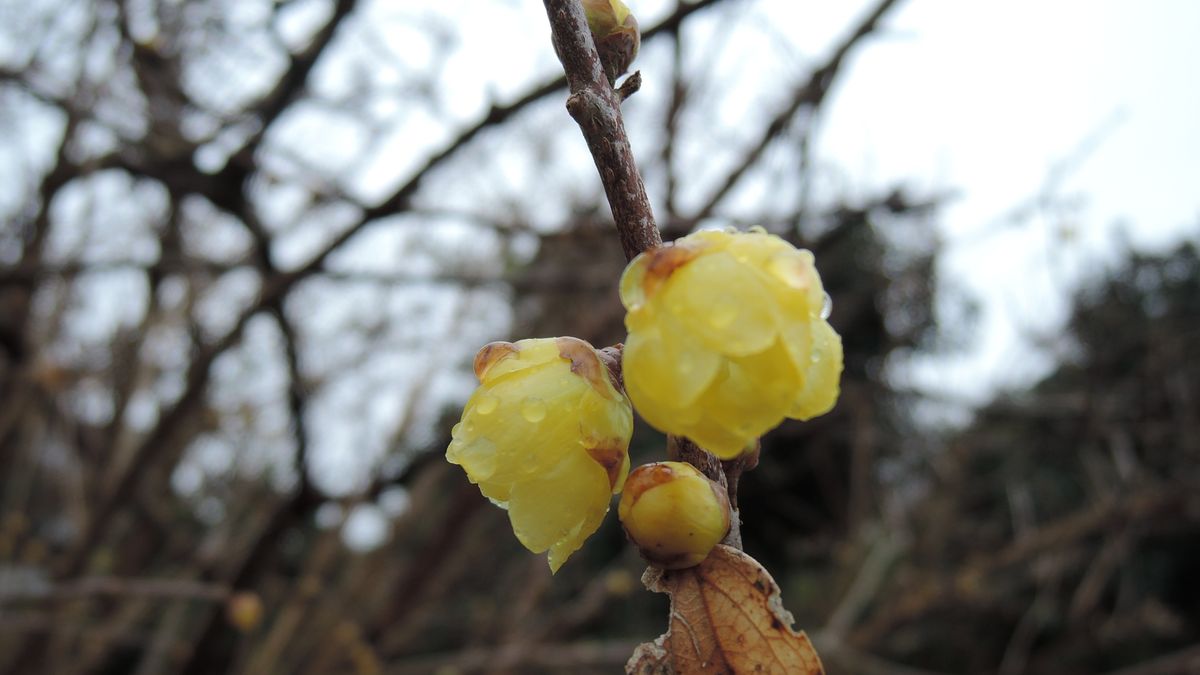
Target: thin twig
[{"x": 596, "y": 107}]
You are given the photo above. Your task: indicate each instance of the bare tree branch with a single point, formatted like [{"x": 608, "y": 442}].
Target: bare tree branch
[
  {"x": 597, "y": 109},
  {"x": 809, "y": 95}
]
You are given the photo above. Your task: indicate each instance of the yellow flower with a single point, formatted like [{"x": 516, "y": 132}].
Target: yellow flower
[
  {"x": 727, "y": 338},
  {"x": 545, "y": 436},
  {"x": 673, "y": 513}
]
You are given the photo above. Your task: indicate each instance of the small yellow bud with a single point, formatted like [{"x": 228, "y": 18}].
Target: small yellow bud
[
  {"x": 615, "y": 32},
  {"x": 244, "y": 610},
  {"x": 545, "y": 436},
  {"x": 673, "y": 514},
  {"x": 727, "y": 337}
]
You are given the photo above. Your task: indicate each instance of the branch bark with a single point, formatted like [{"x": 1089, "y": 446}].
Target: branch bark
[{"x": 596, "y": 107}]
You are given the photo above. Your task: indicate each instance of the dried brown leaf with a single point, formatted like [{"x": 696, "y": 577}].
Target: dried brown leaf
[{"x": 726, "y": 617}]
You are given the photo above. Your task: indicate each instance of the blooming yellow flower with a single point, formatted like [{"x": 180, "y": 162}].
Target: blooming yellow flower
[
  {"x": 545, "y": 436},
  {"x": 727, "y": 337}
]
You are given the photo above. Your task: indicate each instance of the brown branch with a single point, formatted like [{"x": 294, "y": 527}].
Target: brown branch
[
  {"x": 596, "y": 107},
  {"x": 1186, "y": 660},
  {"x": 92, "y": 587},
  {"x": 979, "y": 577},
  {"x": 553, "y": 657}
]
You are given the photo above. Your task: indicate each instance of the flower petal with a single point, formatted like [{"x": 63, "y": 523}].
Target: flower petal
[
  {"x": 561, "y": 508},
  {"x": 722, "y": 303}
]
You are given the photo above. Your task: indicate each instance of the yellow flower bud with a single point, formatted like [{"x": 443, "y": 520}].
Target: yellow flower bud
[
  {"x": 615, "y": 32},
  {"x": 673, "y": 513},
  {"x": 727, "y": 337},
  {"x": 545, "y": 436}
]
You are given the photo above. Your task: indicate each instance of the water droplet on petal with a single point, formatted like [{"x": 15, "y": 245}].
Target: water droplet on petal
[
  {"x": 486, "y": 404},
  {"x": 826, "y": 306},
  {"x": 757, "y": 229},
  {"x": 533, "y": 409}
]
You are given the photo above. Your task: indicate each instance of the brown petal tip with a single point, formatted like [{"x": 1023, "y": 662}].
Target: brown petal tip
[
  {"x": 585, "y": 361},
  {"x": 490, "y": 354},
  {"x": 662, "y": 262},
  {"x": 610, "y": 457}
]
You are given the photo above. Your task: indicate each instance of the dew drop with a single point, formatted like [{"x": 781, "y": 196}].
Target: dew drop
[
  {"x": 826, "y": 306},
  {"x": 533, "y": 409},
  {"x": 757, "y": 229},
  {"x": 486, "y": 404}
]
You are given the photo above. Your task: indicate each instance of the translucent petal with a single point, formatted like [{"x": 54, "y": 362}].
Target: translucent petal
[
  {"x": 497, "y": 491},
  {"x": 477, "y": 456},
  {"x": 754, "y": 248},
  {"x": 755, "y": 393},
  {"x": 527, "y": 354},
  {"x": 521, "y": 442},
  {"x": 713, "y": 436},
  {"x": 604, "y": 430},
  {"x": 751, "y": 397},
  {"x": 668, "y": 363},
  {"x": 651, "y": 409},
  {"x": 794, "y": 283},
  {"x": 821, "y": 386},
  {"x": 722, "y": 303},
  {"x": 557, "y": 508},
  {"x": 632, "y": 285},
  {"x": 796, "y": 335}
]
